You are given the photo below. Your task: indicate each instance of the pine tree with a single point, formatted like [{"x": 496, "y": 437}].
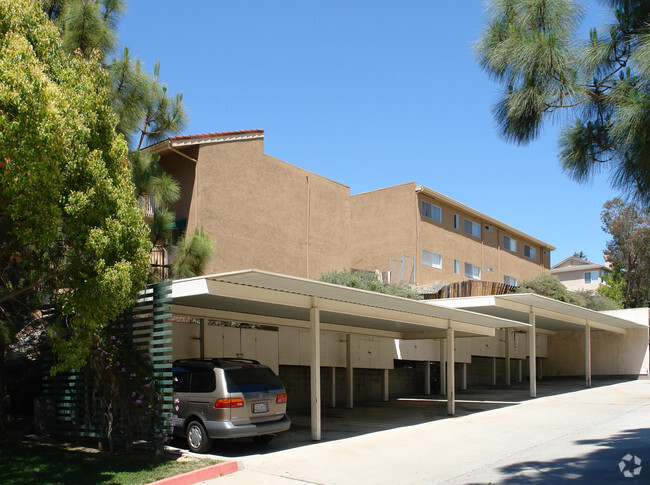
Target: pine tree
[
  {"x": 146, "y": 113},
  {"x": 531, "y": 48}
]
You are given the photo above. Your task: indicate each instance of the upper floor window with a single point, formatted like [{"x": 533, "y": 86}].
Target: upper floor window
[
  {"x": 432, "y": 259},
  {"x": 530, "y": 252},
  {"x": 456, "y": 221},
  {"x": 472, "y": 271},
  {"x": 456, "y": 266},
  {"x": 473, "y": 228},
  {"x": 431, "y": 211},
  {"x": 510, "y": 244},
  {"x": 591, "y": 277},
  {"x": 509, "y": 280}
]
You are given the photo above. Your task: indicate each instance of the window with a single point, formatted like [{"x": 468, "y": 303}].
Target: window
[
  {"x": 472, "y": 271},
  {"x": 456, "y": 221},
  {"x": 489, "y": 228},
  {"x": 472, "y": 228},
  {"x": 591, "y": 277},
  {"x": 489, "y": 270},
  {"x": 431, "y": 211},
  {"x": 530, "y": 252},
  {"x": 509, "y": 244},
  {"x": 431, "y": 259},
  {"x": 509, "y": 280},
  {"x": 456, "y": 266}
]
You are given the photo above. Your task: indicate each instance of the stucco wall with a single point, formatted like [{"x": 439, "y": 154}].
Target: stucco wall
[
  {"x": 611, "y": 353},
  {"x": 264, "y": 213}
]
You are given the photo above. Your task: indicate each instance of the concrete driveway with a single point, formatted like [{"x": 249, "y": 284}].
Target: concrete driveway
[{"x": 499, "y": 436}]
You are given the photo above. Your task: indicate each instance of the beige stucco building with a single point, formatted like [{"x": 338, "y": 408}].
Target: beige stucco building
[
  {"x": 578, "y": 274},
  {"x": 264, "y": 213}
]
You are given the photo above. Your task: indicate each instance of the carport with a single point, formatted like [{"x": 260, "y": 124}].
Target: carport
[
  {"x": 544, "y": 316},
  {"x": 259, "y": 297}
]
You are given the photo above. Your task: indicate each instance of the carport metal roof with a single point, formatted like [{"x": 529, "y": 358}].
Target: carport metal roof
[
  {"x": 256, "y": 296},
  {"x": 550, "y": 315}
]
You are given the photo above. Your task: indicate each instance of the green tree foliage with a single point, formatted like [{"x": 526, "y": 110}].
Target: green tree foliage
[
  {"x": 613, "y": 288},
  {"x": 367, "y": 280},
  {"x": 628, "y": 251},
  {"x": 192, "y": 254},
  {"x": 597, "y": 301},
  {"x": 531, "y": 48},
  {"x": 580, "y": 255},
  {"x": 71, "y": 231},
  {"x": 146, "y": 113}
]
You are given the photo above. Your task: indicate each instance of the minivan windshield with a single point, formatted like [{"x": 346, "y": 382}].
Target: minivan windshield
[{"x": 250, "y": 379}]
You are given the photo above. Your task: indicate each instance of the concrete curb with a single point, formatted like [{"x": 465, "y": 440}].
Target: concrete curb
[{"x": 201, "y": 475}]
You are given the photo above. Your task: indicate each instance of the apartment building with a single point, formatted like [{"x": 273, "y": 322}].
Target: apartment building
[
  {"x": 264, "y": 213},
  {"x": 447, "y": 241}
]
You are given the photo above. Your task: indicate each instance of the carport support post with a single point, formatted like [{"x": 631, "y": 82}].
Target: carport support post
[
  {"x": 451, "y": 391},
  {"x": 333, "y": 388},
  {"x": 349, "y": 372},
  {"x": 587, "y": 355},
  {"x": 427, "y": 378},
  {"x": 443, "y": 368},
  {"x": 507, "y": 355},
  {"x": 314, "y": 330},
  {"x": 385, "y": 386},
  {"x": 532, "y": 350}
]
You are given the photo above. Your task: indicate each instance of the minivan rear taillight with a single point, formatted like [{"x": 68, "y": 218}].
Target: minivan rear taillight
[
  {"x": 281, "y": 399},
  {"x": 235, "y": 402}
]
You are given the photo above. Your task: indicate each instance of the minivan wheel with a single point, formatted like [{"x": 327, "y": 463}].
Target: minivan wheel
[
  {"x": 262, "y": 440},
  {"x": 198, "y": 440}
]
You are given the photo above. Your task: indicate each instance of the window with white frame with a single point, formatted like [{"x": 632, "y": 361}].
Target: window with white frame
[
  {"x": 472, "y": 228},
  {"x": 456, "y": 266},
  {"x": 429, "y": 258},
  {"x": 591, "y": 277},
  {"x": 509, "y": 280},
  {"x": 472, "y": 271},
  {"x": 510, "y": 244},
  {"x": 431, "y": 211},
  {"x": 530, "y": 252},
  {"x": 456, "y": 221}
]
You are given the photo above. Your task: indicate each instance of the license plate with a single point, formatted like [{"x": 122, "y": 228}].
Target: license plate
[{"x": 260, "y": 407}]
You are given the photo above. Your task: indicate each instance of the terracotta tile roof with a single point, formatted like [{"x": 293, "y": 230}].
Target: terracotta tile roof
[{"x": 215, "y": 135}]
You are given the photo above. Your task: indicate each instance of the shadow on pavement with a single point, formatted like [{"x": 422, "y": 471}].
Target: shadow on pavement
[{"x": 627, "y": 451}]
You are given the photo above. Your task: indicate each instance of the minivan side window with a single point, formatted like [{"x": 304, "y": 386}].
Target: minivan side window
[
  {"x": 181, "y": 379},
  {"x": 203, "y": 380}
]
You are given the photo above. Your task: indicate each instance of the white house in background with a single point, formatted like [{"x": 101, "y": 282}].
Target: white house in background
[{"x": 579, "y": 274}]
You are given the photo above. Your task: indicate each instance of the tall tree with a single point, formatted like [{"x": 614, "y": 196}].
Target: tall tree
[
  {"x": 580, "y": 255},
  {"x": 146, "y": 113},
  {"x": 71, "y": 232},
  {"x": 629, "y": 249},
  {"x": 531, "y": 48}
]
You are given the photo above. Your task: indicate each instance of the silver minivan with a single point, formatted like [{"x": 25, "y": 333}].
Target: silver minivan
[{"x": 227, "y": 398}]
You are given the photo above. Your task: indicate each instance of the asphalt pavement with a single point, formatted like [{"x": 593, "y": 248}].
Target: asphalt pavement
[{"x": 596, "y": 435}]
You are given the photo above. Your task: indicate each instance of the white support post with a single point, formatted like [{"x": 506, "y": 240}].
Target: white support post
[
  {"x": 427, "y": 378},
  {"x": 532, "y": 350},
  {"x": 333, "y": 388},
  {"x": 494, "y": 371},
  {"x": 314, "y": 330},
  {"x": 451, "y": 392},
  {"x": 349, "y": 372},
  {"x": 587, "y": 355},
  {"x": 385, "y": 386},
  {"x": 443, "y": 368},
  {"x": 463, "y": 382},
  {"x": 507, "y": 355},
  {"x": 521, "y": 370}
]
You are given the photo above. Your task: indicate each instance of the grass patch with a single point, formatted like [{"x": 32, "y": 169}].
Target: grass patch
[{"x": 31, "y": 463}]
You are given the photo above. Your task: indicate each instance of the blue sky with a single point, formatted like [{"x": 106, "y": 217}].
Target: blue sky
[{"x": 370, "y": 94}]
